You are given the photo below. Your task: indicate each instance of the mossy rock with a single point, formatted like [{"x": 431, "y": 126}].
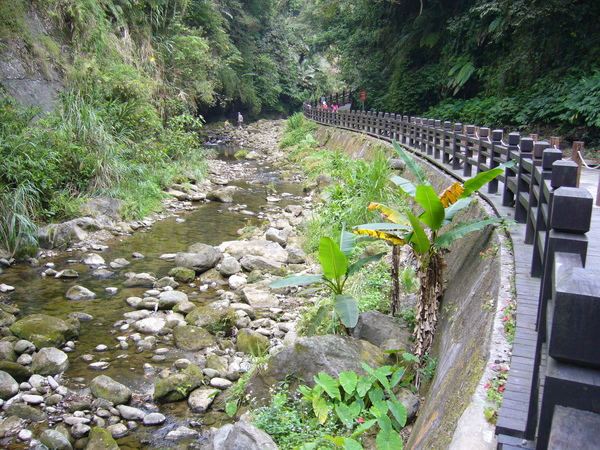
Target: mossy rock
[
  {"x": 178, "y": 386},
  {"x": 191, "y": 338},
  {"x": 182, "y": 274},
  {"x": 16, "y": 370},
  {"x": 252, "y": 343},
  {"x": 105, "y": 387},
  {"x": 46, "y": 331},
  {"x": 214, "y": 318},
  {"x": 101, "y": 439}
]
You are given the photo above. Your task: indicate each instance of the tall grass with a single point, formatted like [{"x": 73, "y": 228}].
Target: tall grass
[{"x": 18, "y": 231}]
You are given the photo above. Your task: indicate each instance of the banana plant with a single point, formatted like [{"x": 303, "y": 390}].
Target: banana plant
[
  {"x": 428, "y": 230},
  {"x": 336, "y": 271}
]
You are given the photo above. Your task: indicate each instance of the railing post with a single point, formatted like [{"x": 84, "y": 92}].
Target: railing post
[
  {"x": 576, "y": 155},
  {"x": 523, "y": 180},
  {"x": 430, "y": 136},
  {"x": 436, "y": 139},
  {"x": 467, "y": 168},
  {"x": 446, "y": 146},
  {"x": 494, "y": 155},
  {"x": 484, "y": 136},
  {"x": 510, "y": 184},
  {"x": 405, "y": 129},
  {"x": 456, "y": 146}
]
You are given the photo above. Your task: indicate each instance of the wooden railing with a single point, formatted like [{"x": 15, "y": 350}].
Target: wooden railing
[{"x": 555, "y": 371}]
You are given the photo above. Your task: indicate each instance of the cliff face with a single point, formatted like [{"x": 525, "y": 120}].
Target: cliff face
[{"x": 31, "y": 58}]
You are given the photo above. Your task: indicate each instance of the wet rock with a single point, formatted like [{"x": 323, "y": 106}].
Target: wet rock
[
  {"x": 15, "y": 370},
  {"x": 264, "y": 248},
  {"x": 101, "y": 365},
  {"x": 62, "y": 235},
  {"x": 154, "y": 419},
  {"x": 203, "y": 258},
  {"x": 31, "y": 399},
  {"x": 150, "y": 325},
  {"x": 7, "y": 352},
  {"x": 67, "y": 274},
  {"x": 80, "y": 430},
  {"x": 102, "y": 273},
  {"x": 330, "y": 354},
  {"x": 6, "y": 288},
  {"x": 252, "y": 342},
  {"x": 45, "y": 331},
  {"x": 6, "y": 319},
  {"x": 82, "y": 317},
  {"x": 108, "y": 389},
  {"x": 182, "y": 274},
  {"x": 212, "y": 277},
  {"x": 240, "y": 435},
  {"x": 177, "y": 387},
  {"x": 25, "y": 435},
  {"x": 182, "y": 433},
  {"x": 215, "y": 317},
  {"x": 10, "y": 426},
  {"x": 166, "y": 282},
  {"x": 117, "y": 430},
  {"x": 140, "y": 280},
  {"x": 259, "y": 299},
  {"x": 24, "y": 359},
  {"x": 101, "y": 439},
  {"x": 80, "y": 293},
  {"x": 184, "y": 307},
  {"x": 55, "y": 440},
  {"x": 49, "y": 361},
  {"x": 192, "y": 338},
  {"x": 131, "y": 413},
  {"x": 220, "y": 383},
  {"x": 237, "y": 281},
  {"x": 200, "y": 399},
  {"x": 229, "y": 266},
  {"x": 93, "y": 259},
  {"x": 168, "y": 299},
  {"x": 9, "y": 387},
  {"x": 26, "y": 412}
]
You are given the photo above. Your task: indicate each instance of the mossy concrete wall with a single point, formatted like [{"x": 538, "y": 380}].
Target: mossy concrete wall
[{"x": 461, "y": 345}]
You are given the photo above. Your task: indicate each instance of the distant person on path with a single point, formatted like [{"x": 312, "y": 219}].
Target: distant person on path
[{"x": 240, "y": 120}]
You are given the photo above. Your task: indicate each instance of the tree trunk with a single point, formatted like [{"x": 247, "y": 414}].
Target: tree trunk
[
  {"x": 395, "y": 272},
  {"x": 430, "y": 294}
]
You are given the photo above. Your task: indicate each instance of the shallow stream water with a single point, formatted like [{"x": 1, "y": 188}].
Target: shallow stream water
[{"x": 212, "y": 223}]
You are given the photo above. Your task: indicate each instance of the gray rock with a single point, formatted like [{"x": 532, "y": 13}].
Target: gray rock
[
  {"x": 177, "y": 387},
  {"x": 375, "y": 327},
  {"x": 182, "y": 274},
  {"x": 212, "y": 277},
  {"x": 117, "y": 430},
  {"x": 411, "y": 402},
  {"x": 7, "y": 352},
  {"x": 242, "y": 435},
  {"x": 32, "y": 399},
  {"x": 80, "y": 430},
  {"x": 10, "y": 426},
  {"x": 150, "y": 325},
  {"x": 140, "y": 280},
  {"x": 67, "y": 273},
  {"x": 181, "y": 433},
  {"x": 330, "y": 354},
  {"x": 229, "y": 266},
  {"x": 236, "y": 282},
  {"x": 220, "y": 383},
  {"x": 103, "y": 274},
  {"x": 62, "y": 235},
  {"x": 103, "y": 206},
  {"x": 131, "y": 413},
  {"x": 154, "y": 419},
  {"x": 26, "y": 412},
  {"x": 200, "y": 399},
  {"x": 265, "y": 265},
  {"x": 101, "y": 439},
  {"x": 259, "y": 299},
  {"x": 93, "y": 259},
  {"x": 279, "y": 236},
  {"x": 9, "y": 387},
  {"x": 223, "y": 195},
  {"x": 77, "y": 292},
  {"x": 296, "y": 256},
  {"x": 204, "y": 257},
  {"x": 191, "y": 338},
  {"x": 55, "y": 440},
  {"x": 82, "y": 317},
  {"x": 214, "y": 317},
  {"x": 166, "y": 282},
  {"x": 106, "y": 388},
  {"x": 168, "y": 299},
  {"x": 184, "y": 307},
  {"x": 45, "y": 331},
  {"x": 252, "y": 342},
  {"x": 49, "y": 361},
  {"x": 264, "y": 248}
]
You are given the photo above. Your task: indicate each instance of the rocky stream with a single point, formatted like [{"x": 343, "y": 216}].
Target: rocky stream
[{"x": 132, "y": 336}]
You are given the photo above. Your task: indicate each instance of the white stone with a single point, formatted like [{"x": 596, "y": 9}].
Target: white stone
[{"x": 220, "y": 383}]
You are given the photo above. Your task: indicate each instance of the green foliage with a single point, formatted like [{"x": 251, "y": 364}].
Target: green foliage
[
  {"x": 18, "y": 232},
  {"x": 336, "y": 270},
  {"x": 360, "y": 403}
]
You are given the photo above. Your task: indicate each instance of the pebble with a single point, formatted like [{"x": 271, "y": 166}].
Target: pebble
[
  {"x": 220, "y": 383},
  {"x": 99, "y": 365},
  {"x": 25, "y": 435},
  {"x": 111, "y": 290},
  {"x": 32, "y": 399},
  {"x": 101, "y": 348},
  {"x": 118, "y": 430},
  {"x": 154, "y": 419}
]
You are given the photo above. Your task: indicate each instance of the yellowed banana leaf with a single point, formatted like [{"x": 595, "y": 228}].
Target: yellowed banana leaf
[
  {"x": 394, "y": 239},
  {"x": 452, "y": 194},
  {"x": 389, "y": 213}
]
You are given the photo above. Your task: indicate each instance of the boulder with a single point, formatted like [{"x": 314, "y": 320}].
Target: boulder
[
  {"x": 55, "y": 440},
  {"x": 67, "y": 273},
  {"x": 376, "y": 328},
  {"x": 264, "y": 248},
  {"x": 150, "y": 325},
  {"x": 77, "y": 292},
  {"x": 140, "y": 280},
  {"x": 178, "y": 386},
  {"x": 168, "y": 299},
  {"x": 9, "y": 387},
  {"x": 101, "y": 439},
  {"x": 93, "y": 259},
  {"x": 26, "y": 412},
  {"x": 6, "y": 319},
  {"x": 191, "y": 338},
  {"x": 204, "y": 257},
  {"x": 108, "y": 389},
  {"x": 252, "y": 342},
  {"x": 15, "y": 370},
  {"x": 7, "y": 352},
  {"x": 259, "y": 299},
  {"x": 46, "y": 331},
  {"x": 223, "y": 195},
  {"x": 165, "y": 282},
  {"x": 131, "y": 413},
  {"x": 296, "y": 256},
  {"x": 212, "y": 276},
  {"x": 237, "y": 281},
  {"x": 154, "y": 419},
  {"x": 214, "y": 317},
  {"x": 241, "y": 435},
  {"x": 229, "y": 266},
  {"x": 182, "y": 274},
  {"x": 331, "y": 354},
  {"x": 61, "y": 235},
  {"x": 411, "y": 402},
  {"x": 200, "y": 399},
  {"x": 103, "y": 205},
  {"x": 49, "y": 361},
  {"x": 265, "y": 265}
]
